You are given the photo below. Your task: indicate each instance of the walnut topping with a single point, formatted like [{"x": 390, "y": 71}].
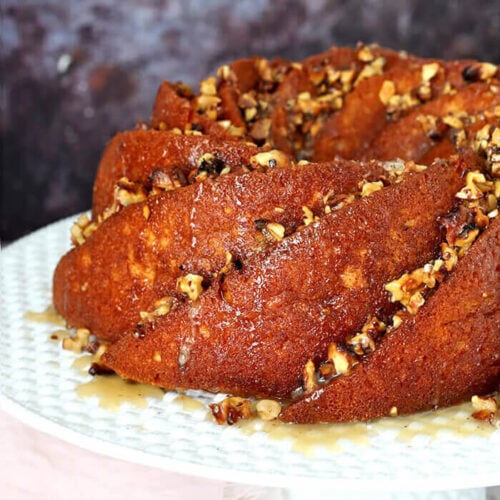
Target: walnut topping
[
  {"x": 386, "y": 92},
  {"x": 374, "y": 68},
  {"x": 309, "y": 217},
  {"x": 365, "y": 54},
  {"x": 166, "y": 181},
  {"x": 449, "y": 255},
  {"x": 310, "y": 382},
  {"x": 342, "y": 361},
  {"x": 485, "y": 408},
  {"x": 273, "y": 158},
  {"x": 429, "y": 71},
  {"x": 268, "y": 409},
  {"x": 409, "y": 287},
  {"x": 430, "y": 126},
  {"x": 475, "y": 185},
  {"x": 277, "y": 231},
  {"x": 230, "y": 410},
  {"x": 77, "y": 342},
  {"x": 363, "y": 343},
  {"x": 161, "y": 308},
  {"x": 260, "y": 129},
  {"x": 370, "y": 187},
  {"x": 463, "y": 243},
  {"x": 128, "y": 192},
  {"x": 225, "y": 72},
  {"x": 208, "y": 87},
  {"x": 487, "y": 71},
  {"x": 82, "y": 229},
  {"x": 479, "y": 72},
  {"x": 190, "y": 285},
  {"x": 207, "y": 104}
]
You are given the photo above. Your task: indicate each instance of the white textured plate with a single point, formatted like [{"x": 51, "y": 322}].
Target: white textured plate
[{"x": 38, "y": 384}]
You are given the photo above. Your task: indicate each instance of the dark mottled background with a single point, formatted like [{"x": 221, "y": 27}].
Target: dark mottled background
[{"x": 74, "y": 72}]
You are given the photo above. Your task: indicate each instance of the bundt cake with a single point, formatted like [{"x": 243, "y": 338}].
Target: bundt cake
[{"x": 304, "y": 232}]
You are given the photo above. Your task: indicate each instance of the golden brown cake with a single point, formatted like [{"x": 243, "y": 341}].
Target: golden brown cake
[{"x": 286, "y": 230}]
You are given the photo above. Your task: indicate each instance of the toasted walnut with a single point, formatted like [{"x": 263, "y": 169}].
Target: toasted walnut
[
  {"x": 374, "y": 68},
  {"x": 166, "y": 181},
  {"x": 479, "y": 72},
  {"x": 268, "y": 409},
  {"x": 365, "y": 54},
  {"x": 463, "y": 243},
  {"x": 364, "y": 342},
  {"x": 387, "y": 90},
  {"x": 190, "y": 285},
  {"x": 310, "y": 382},
  {"x": 429, "y": 71},
  {"x": 273, "y": 158},
  {"x": 487, "y": 71},
  {"x": 407, "y": 289},
  {"x": 475, "y": 185},
  {"x": 342, "y": 361},
  {"x": 399, "y": 103},
  {"x": 370, "y": 187},
  {"x": 485, "y": 408},
  {"x": 208, "y": 87},
  {"x": 449, "y": 256},
  {"x": 361, "y": 344},
  {"x": 161, "y": 308},
  {"x": 396, "y": 321},
  {"x": 429, "y": 125},
  {"x": 78, "y": 342},
  {"x": 128, "y": 192},
  {"x": 260, "y": 129},
  {"x": 308, "y": 217},
  {"x": 277, "y": 231},
  {"x": 453, "y": 121},
  {"x": 82, "y": 229},
  {"x": 230, "y": 410}
]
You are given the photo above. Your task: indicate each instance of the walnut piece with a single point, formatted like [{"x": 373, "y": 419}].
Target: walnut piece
[{"x": 230, "y": 410}]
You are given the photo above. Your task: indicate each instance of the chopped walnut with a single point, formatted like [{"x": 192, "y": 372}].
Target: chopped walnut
[
  {"x": 268, "y": 409},
  {"x": 208, "y": 87},
  {"x": 365, "y": 54},
  {"x": 475, "y": 185},
  {"x": 190, "y": 285},
  {"x": 310, "y": 382},
  {"x": 370, "y": 187},
  {"x": 363, "y": 343},
  {"x": 407, "y": 289},
  {"x": 128, "y": 192},
  {"x": 308, "y": 217},
  {"x": 161, "y": 308},
  {"x": 430, "y": 126},
  {"x": 429, "y": 71},
  {"x": 342, "y": 361},
  {"x": 273, "y": 158},
  {"x": 277, "y": 231},
  {"x": 449, "y": 256},
  {"x": 77, "y": 342},
  {"x": 230, "y": 410},
  {"x": 82, "y": 229},
  {"x": 374, "y": 68},
  {"x": 387, "y": 90},
  {"x": 485, "y": 408}
]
